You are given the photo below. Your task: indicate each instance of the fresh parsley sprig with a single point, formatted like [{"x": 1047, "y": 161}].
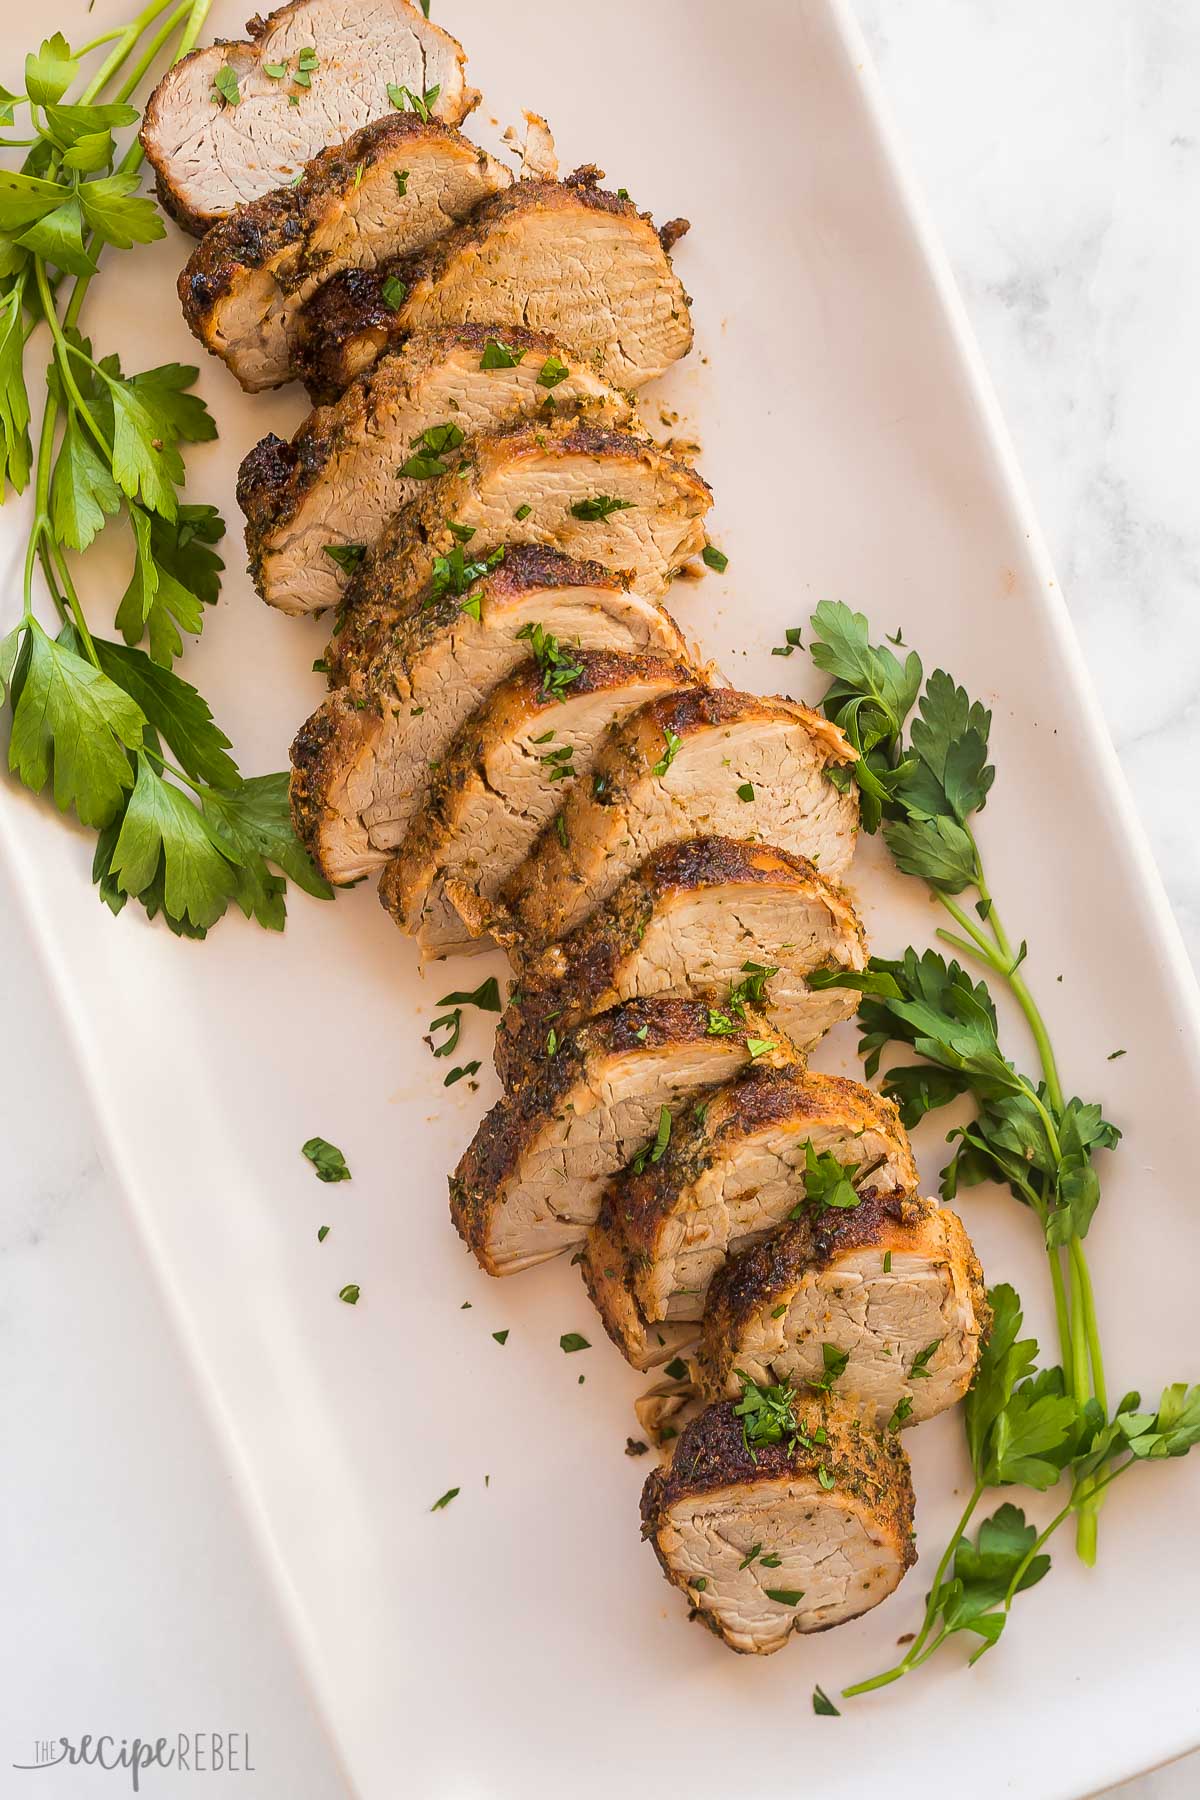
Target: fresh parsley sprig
[
  {"x": 923, "y": 775},
  {"x": 125, "y": 743}
]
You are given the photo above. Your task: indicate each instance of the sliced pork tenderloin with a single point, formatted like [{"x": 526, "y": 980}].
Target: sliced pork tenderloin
[
  {"x": 221, "y": 127},
  {"x": 885, "y": 1303},
  {"x": 733, "y": 1173},
  {"x": 529, "y": 1186},
  {"x": 315, "y": 505},
  {"x": 591, "y": 493},
  {"x": 502, "y": 779},
  {"x": 709, "y": 761},
  {"x": 565, "y": 257},
  {"x": 386, "y": 191},
  {"x": 362, "y": 763},
  {"x": 767, "y": 1539},
  {"x": 705, "y": 916}
]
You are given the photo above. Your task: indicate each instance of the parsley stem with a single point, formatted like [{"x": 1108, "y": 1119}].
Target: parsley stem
[
  {"x": 982, "y": 947},
  {"x": 933, "y": 1601},
  {"x": 124, "y": 42}
]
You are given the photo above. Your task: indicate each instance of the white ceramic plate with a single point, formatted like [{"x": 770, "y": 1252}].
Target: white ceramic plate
[{"x": 522, "y": 1642}]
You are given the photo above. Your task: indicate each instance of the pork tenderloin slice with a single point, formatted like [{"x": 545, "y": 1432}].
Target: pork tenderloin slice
[
  {"x": 894, "y": 1285},
  {"x": 502, "y": 779},
  {"x": 741, "y": 765},
  {"x": 731, "y": 1176},
  {"x": 690, "y": 921},
  {"x": 529, "y": 1186},
  {"x": 363, "y": 761},
  {"x": 385, "y": 192},
  {"x": 210, "y": 155},
  {"x": 565, "y": 257},
  {"x": 836, "y": 1510},
  {"x": 520, "y": 487},
  {"x": 337, "y": 483}
]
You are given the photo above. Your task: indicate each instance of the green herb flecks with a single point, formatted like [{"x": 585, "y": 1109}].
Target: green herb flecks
[{"x": 559, "y": 669}]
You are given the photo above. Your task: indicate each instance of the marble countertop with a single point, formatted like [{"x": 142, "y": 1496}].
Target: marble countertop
[{"x": 1059, "y": 150}]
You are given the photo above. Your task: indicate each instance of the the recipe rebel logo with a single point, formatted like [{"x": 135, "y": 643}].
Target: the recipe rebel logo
[{"x": 194, "y": 1753}]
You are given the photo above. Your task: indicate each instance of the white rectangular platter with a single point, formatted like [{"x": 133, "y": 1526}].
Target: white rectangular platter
[{"x": 522, "y": 1642}]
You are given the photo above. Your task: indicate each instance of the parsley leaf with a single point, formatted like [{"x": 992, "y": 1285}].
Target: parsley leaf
[
  {"x": 225, "y": 86},
  {"x": 326, "y": 1159},
  {"x": 500, "y": 356},
  {"x": 599, "y": 506}
]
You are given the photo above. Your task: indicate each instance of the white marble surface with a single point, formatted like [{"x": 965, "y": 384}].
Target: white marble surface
[{"x": 1059, "y": 146}]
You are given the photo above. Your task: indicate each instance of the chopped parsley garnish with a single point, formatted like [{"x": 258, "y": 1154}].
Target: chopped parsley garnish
[
  {"x": 320, "y": 666},
  {"x": 719, "y": 1023},
  {"x": 473, "y": 605},
  {"x": 599, "y": 506},
  {"x": 701, "y": 1581},
  {"x": 903, "y": 1411},
  {"x": 346, "y": 556},
  {"x": 920, "y": 1366},
  {"x": 225, "y": 86},
  {"x": 835, "y": 1362},
  {"x": 523, "y": 511},
  {"x": 785, "y": 1596},
  {"x": 792, "y": 634},
  {"x": 552, "y": 371},
  {"x": 559, "y": 671},
  {"x": 445, "y": 1500},
  {"x": 767, "y": 1413},
  {"x": 671, "y": 751},
  {"x": 714, "y": 558},
  {"x": 326, "y": 1159},
  {"x": 402, "y": 182},
  {"x": 429, "y": 450},
  {"x": 777, "y": 1312},
  {"x": 825, "y": 1477},
  {"x": 552, "y": 1042},
  {"x": 455, "y": 573},
  {"x": 557, "y": 763},
  {"x": 322, "y": 1233},
  {"x": 276, "y": 71},
  {"x": 887, "y": 1262},
  {"x": 656, "y": 1150},
  {"x": 571, "y": 1341},
  {"x": 770, "y": 1562},
  {"x": 486, "y": 997},
  {"x": 560, "y": 830},
  {"x": 824, "y": 1705},
  {"x": 464, "y": 533},
  {"x": 349, "y": 1294},
  {"x": 500, "y": 356},
  {"x": 746, "y": 791},
  {"x": 393, "y": 293},
  {"x": 471, "y": 1068},
  {"x": 677, "y": 1370},
  {"x": 827, "y": 1182},
  {"x": 450, "y": 1022},
  {"x": 753, "y": 990},
  {"x": 421, "y": 104},
  {"x": 759, "y": 1047},
  {"x": 750, "y": 1556},
  {"x": 501, "y": 1337}
]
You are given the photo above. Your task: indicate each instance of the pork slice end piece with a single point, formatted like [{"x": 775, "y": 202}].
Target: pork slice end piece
[
  {"x": 501, "y": 780},
  {"x": 530, "y": 1184},
  {"x": 757, "y": 768},
  {"x": 365, "y": 759},
  {"x": 832, "y": 1510},
  {"x": 213, "y": 149},
  {"x": 894, "y": 1288},
  {"x": 316, "y": 504},
  {"x": 386, "y": 191},
  {"x": 698, "y": 917}
]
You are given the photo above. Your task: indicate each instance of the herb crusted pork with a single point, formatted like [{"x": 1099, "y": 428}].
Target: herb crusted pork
[
  {"x": 221, "y": 127},
  {"x": 565, "y": 257},
  {"x": 770, "y": 1538},
  {"x": 697, "y": 918},
  {"x": 316, "y": 504},
  {"x": 364, "y": 760},
  {"x": 387, "y": 191}
]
